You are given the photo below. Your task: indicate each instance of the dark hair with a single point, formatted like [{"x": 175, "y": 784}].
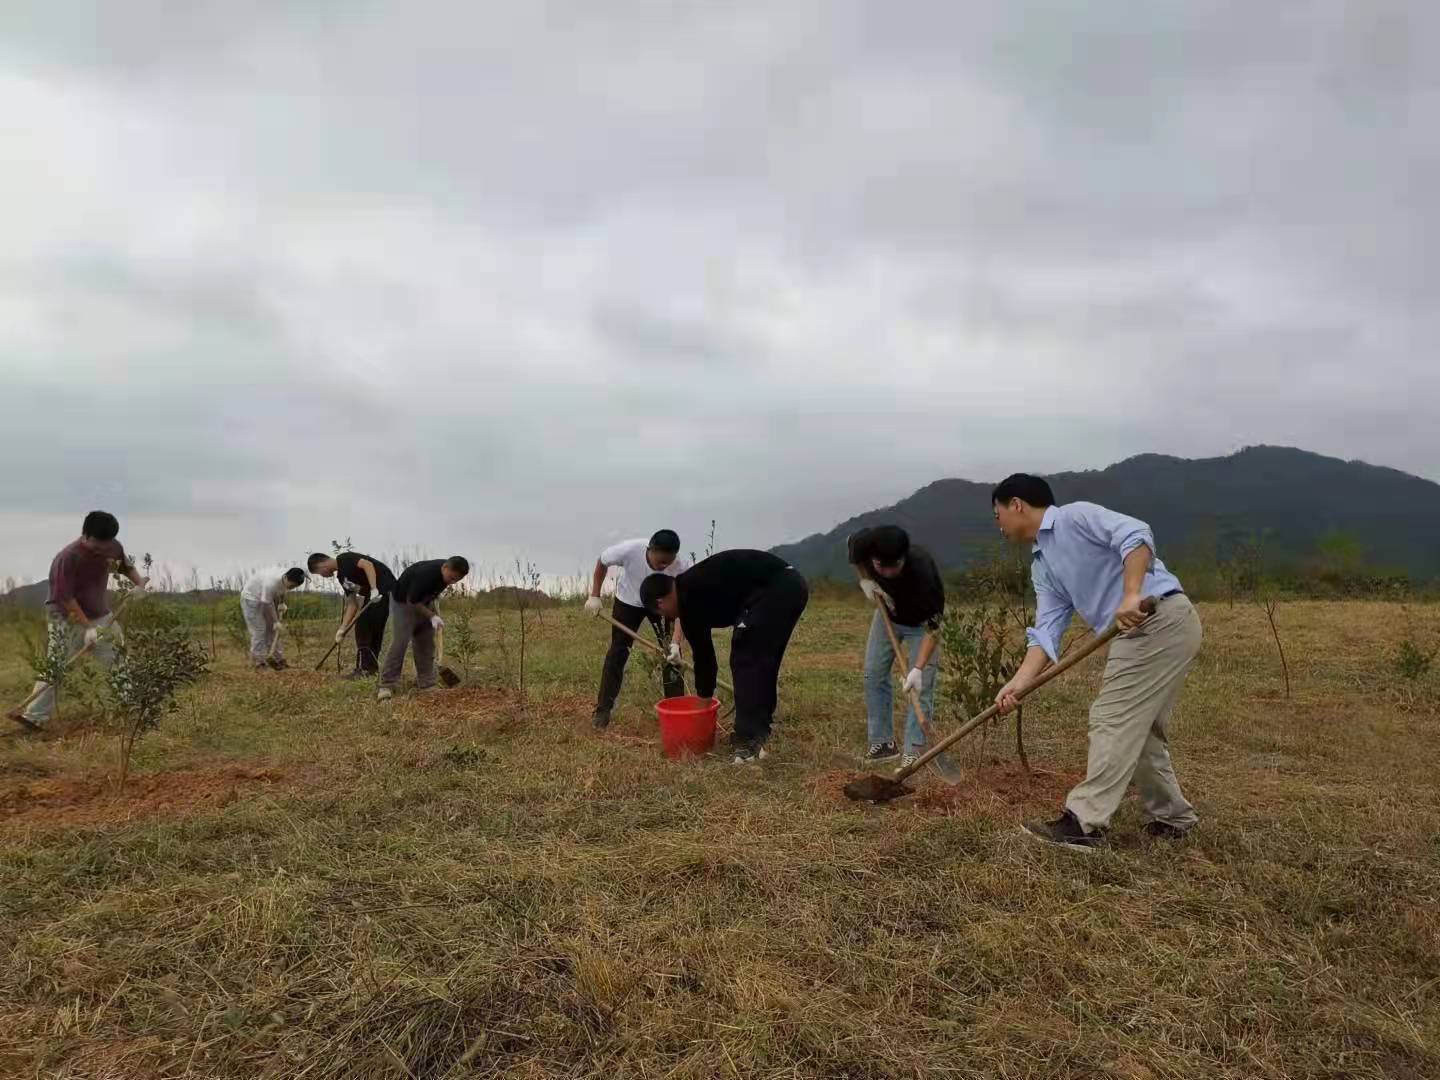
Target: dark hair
[
  {"x": 1026, "y": 488},
  {"x": 888, "y": 544},
  {"x": 315, "y": 560},
  {"x": 654, "y": 589},
  {"x": 295, "y": 576},
  {"x": 666, "y": 540},
  {"x": 100, "y": 526},
  {"x": 459, "y": 564}
]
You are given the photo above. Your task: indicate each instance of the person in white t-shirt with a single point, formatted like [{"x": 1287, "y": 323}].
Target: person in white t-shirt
[
  {"x": 263, "y": 602},
  {"x": 637, "y": 559}
]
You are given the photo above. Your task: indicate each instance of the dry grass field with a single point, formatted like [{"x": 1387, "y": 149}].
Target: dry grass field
[{"x": 298, "y": 882}]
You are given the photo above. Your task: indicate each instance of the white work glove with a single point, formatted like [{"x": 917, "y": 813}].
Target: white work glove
[
  {"x": 437, "y": 622},
  {"x": 280, "y": 609},
  {"x": 673, "y": 656},
  {"x": 340, "y": 635},
  {"x": 92, "y": 635},
  {"x": 593, "y": 607},
  {"x": 376, "y": 597},
  {"x": 914, "y": 679},
  {"x": 874, "y": 592}
]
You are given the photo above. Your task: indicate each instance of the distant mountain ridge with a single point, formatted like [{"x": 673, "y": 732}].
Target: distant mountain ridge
[{"x": 1293, "y": 497}]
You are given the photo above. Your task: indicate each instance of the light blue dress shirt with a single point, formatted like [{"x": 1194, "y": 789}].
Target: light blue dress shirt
[{"x": 1079, "y": 565}]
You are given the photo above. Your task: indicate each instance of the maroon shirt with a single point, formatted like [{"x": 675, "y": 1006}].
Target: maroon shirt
[{"x": 83, "y": 575}]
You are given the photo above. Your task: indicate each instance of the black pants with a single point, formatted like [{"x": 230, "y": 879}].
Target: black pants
[
  {"x": 369, "y": 633},
  {"x": 613, "y": 673},
  {"x": 758, "y": 645}
]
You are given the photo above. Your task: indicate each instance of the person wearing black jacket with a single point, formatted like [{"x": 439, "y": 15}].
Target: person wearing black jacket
[
  {"x": 366, "y": 582},
  {"x": 414, "y": 618},
  {"x": 762, "y": 597},
  {"x": 903, "y": 577}
]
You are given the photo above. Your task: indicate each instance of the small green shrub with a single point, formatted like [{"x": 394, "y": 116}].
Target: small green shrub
[{"x": 150, "y": 668}]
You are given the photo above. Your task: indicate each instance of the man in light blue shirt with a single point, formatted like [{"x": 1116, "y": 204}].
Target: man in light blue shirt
[{"x": 1102, "y": 564}]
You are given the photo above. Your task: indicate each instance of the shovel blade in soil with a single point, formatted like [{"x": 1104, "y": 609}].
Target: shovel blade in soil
[
  {"x": 875, "y": 789},
  {"x": 448, "y": 678}
]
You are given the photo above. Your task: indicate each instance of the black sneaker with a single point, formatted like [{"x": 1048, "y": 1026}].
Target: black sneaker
[
  {"x": 881, "y": 751},
  {"x": 1065, "y": 831},
  {"x": 1163, "y": 830},
  {"x": 601, "y": 719},
  {"x": 749, "y": 753}
]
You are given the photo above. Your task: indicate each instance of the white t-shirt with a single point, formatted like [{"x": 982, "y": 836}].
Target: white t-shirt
[
  {"x": 629, "y": 555},
  {"x": 266, "y": 586}
]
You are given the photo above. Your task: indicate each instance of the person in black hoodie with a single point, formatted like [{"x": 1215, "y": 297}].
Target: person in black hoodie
[{"x": 762, "y": 597}]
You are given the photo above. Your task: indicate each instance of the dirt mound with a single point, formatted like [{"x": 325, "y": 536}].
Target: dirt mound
[
  {"x": 1000, "y": 789},
  {"x": 93, "y": 800}
]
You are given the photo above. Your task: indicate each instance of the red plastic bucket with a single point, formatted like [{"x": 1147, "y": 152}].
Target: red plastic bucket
[{"x": 687, "y": 725}]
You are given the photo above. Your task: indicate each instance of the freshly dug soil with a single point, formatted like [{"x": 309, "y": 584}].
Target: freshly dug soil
[
  {"x": 998, "y": 788},
  {"x": 94, "y": 800}
]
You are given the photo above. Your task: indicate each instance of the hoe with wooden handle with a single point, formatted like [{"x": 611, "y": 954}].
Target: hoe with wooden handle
[
  {"x": 661, "y": 652},
  {"x": 345, "y": 630},
  {"x": 447, "y": 676},
  {"x": 880, "y": 789}
]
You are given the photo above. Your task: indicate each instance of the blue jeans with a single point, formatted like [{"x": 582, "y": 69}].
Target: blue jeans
[{"x": 879, "y": 692}]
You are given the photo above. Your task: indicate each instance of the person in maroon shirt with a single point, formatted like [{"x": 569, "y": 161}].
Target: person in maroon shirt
[{"x": 78, "y": 606}]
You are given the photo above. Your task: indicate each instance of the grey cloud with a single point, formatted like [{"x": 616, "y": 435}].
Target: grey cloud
[{"x": 525, "y": 277}]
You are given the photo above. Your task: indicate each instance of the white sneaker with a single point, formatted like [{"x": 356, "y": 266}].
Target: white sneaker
[{"x": 384, "y": 694}]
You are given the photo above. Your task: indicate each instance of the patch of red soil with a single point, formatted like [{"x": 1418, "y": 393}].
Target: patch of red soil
[
  {"x": 1002, "y": 789},
  {"x": 94, "y": 800}
]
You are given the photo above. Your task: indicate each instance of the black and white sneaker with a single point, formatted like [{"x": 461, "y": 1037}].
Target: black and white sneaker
[
  {"x": 881, "y": 752},
  {"x": 1065, "y": 831},
  {"x": 750, "y": 753},
  {"x": 601, "y": 719}
]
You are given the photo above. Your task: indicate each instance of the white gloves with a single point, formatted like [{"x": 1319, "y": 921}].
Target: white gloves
[
  {"x": 376, "y": 597},
  {"x": 340, "y": 634},
  {"x": 280, "y": 609},
  {"x": 437, "y": 622},
  {"x": 874, "y": 592},
  {"x": 593, "y": 607},
  {"x": 92, "y": 635},
  {"x": 914, "y": 679},
  {"x": 673, "y": 656}
]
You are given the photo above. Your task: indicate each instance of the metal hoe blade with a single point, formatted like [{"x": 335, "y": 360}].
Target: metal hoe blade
[{"x": 875, "y": 789}]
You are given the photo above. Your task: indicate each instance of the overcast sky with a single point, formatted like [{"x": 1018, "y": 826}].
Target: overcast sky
[{"x": 520, "y": 278}]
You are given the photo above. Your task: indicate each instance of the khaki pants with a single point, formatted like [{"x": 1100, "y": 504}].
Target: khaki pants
[
  {"x": 1143, "y": 677},
  {"x": 264, "y": 630},
  {"x": 68, "y": 638}
]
